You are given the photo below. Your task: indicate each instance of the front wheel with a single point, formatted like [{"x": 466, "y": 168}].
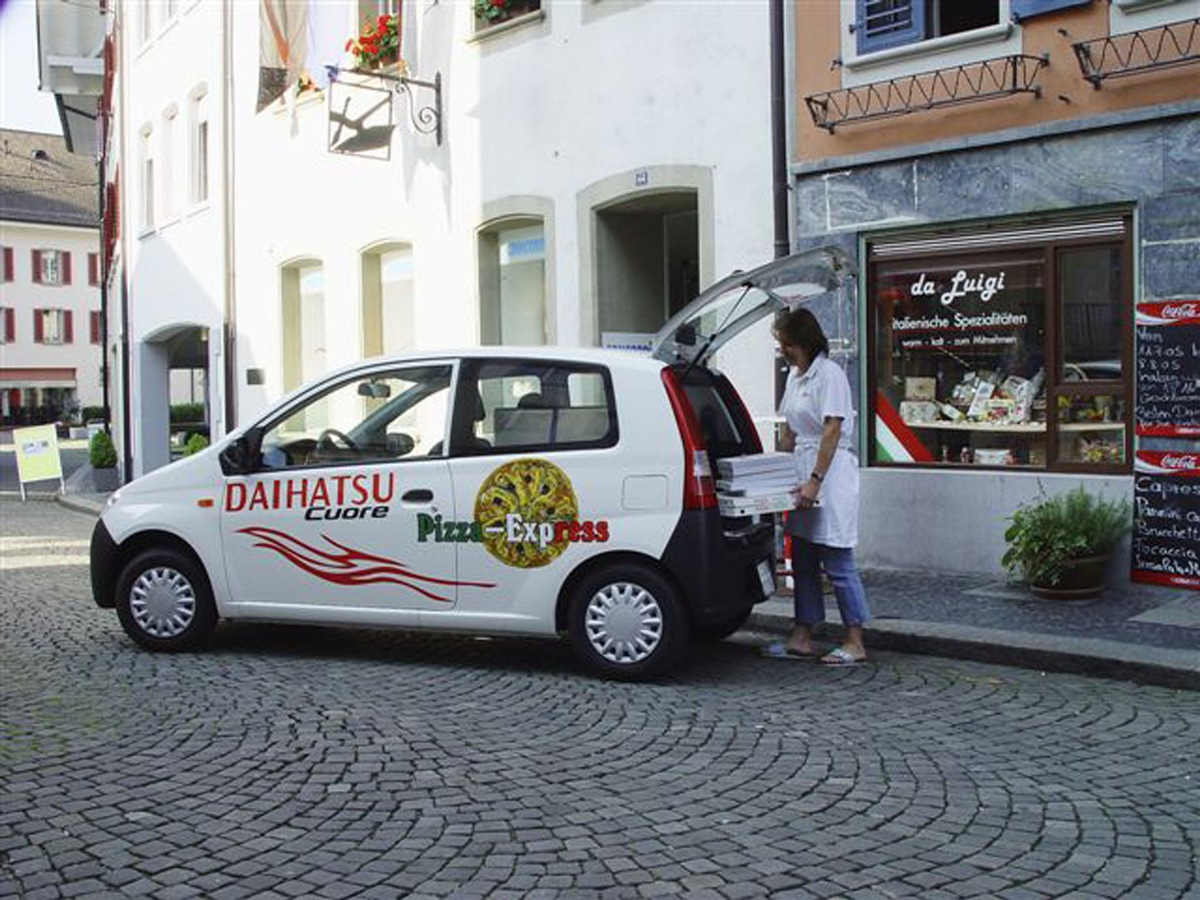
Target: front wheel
[
  {"x": 164, "y": 601},
  {"x": 627, "y": 622}
]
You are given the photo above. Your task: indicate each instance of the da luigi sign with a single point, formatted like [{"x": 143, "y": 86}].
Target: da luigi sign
[{"x": 37, "y": 455}]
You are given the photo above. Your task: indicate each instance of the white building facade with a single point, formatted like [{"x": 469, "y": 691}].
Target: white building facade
[
  {"x": 568, "y": 174},
  {"x": 50, "y": 325}
]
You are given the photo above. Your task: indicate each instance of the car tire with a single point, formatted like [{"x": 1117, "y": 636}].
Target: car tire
[
  {"x": 721, "y": 630},
  {"x": 627, "y": 622},
  {"x": 164, "y": 600}
]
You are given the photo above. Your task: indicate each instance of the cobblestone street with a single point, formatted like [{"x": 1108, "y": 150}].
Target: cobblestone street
[{"x": 301, "y": 762}]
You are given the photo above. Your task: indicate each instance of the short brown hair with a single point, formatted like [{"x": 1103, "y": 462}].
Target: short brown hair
[{"x": 800, "y": 328}]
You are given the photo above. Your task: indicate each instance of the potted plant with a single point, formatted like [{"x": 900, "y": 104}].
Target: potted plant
[
  {"x": 1061, "y": 544},
  {"x": 377, "y": 44}
]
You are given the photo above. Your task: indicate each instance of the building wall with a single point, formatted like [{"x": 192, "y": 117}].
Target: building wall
[
  {"x": 80, "y": 297},
  {"x": 824, "y": 34},
  {"x": 535, "y": 117},
  {"x": 1128, "y": 145}
]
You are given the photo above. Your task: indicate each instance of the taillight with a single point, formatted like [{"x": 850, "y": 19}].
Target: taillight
[{"x": 699, "y": 492}]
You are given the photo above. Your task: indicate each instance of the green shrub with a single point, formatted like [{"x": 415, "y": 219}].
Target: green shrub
[
  {"x": 92, "y": 413},
  {"x": 195, "y": 443},
  {"x": 1046, "y": 534},
  {"x": 187, "y": 412},
  {"x": 101, "y": 452}
]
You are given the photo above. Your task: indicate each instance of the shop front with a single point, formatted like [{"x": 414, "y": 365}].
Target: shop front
[{"x": 1006, "y": 348}]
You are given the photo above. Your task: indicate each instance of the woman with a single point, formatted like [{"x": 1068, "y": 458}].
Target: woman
[{"x": 819, "y": 415}]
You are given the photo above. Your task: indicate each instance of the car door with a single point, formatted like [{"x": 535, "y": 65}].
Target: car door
[
  {"x": 537, "y": 476},
  {"x": 335, "y": 521}
]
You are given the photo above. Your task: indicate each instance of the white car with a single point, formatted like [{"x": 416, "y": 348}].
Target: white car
[{"x": 533, "y": 491}]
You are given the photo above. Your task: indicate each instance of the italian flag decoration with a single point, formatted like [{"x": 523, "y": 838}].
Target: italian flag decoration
[{"x": 895, "y": 441}]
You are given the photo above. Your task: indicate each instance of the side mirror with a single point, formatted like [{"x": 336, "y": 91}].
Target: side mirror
[{"x": 241, "y": 456}]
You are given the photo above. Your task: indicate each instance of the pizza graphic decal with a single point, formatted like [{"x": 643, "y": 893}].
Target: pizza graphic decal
[{"x": 519, "y": 507}]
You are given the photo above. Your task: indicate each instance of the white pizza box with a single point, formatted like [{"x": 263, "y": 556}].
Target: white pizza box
[{"x": 779, "y": 501}]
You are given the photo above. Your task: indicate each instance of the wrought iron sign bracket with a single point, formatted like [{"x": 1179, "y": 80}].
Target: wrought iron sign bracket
[
  {"x": 989, "y": 79},
  {"x": 1116, "y": 56},
  {"x": 425, "y": 119}
]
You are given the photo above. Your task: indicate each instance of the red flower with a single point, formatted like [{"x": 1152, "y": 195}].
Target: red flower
[
  {"x": 499, "y": 3},
  {"x": 383, "y": 20}
]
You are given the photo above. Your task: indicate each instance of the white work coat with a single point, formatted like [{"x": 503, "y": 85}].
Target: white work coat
[{"x": 823, "y": 391}]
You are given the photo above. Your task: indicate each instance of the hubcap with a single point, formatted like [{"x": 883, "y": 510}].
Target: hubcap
[
  {"x": 162, "y": 602},
  {"x": 624, "y": 622}
]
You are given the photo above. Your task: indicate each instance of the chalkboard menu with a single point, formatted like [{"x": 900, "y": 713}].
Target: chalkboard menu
[
  {"x": 1166, "y": 520},
  {"x": 1168, "y": 368}
]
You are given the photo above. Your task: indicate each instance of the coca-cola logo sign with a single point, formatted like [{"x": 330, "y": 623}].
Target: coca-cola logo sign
[
  {"x": 1180, "y": 310},
  {"x": 1179, "y": 461}
]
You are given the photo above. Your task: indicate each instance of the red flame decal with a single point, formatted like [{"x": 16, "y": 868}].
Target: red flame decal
[{"x": 349, "y": 566}]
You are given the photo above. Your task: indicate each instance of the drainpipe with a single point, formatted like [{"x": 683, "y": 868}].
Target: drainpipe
[
  {"x": 229, "y": 329},
  {"x": 779, "y": 165}
]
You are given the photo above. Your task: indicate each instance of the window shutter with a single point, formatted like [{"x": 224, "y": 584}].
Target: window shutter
[
  {"x": 880, "y": 24},
  {"x": 38, "y": 333},
  {"x": 10, "y": 325},
  {"x": 93, "y": 269},
  {"x": 94, "y": 326},
  {"x": 1024, "y": 9},
  {"x": 68, "y": 327},
  {"x": 65, "y": 258},
  {"x": 37, "y": 266},
  {"x": 8, "y": 264}
]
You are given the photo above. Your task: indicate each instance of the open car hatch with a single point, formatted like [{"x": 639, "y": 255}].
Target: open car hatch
[{"x": 739, "y": 300}]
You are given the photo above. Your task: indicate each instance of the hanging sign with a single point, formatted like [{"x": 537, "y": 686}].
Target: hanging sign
[
  {"x": 1166, "y": 518},
  {"x": 37, "y": 455},
  {"x": 1168, "y": 368}
]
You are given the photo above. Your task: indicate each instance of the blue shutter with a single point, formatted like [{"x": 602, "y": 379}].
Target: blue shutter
[
  {"x": 1024, "y": 9},
  {"x": 881, "y": 24}
]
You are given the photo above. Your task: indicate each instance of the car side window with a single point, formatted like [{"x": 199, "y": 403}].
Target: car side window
[
  {"x": 378, "y": 417},
  {"x": 534, "y": 405}
]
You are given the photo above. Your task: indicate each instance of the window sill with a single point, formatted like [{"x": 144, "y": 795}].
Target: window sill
[
  {"x": 490, "y": 31},
  {"x": 933, "y": 47}
]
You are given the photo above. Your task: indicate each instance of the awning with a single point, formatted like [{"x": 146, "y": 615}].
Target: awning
[{"x": 35, "y": 377}]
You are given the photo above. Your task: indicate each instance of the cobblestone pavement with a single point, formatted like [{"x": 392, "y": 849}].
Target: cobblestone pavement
[{"x": 296, "y": 762}]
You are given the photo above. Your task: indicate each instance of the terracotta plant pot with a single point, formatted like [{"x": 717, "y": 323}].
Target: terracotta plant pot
[{"x": 1082, "y": 580}]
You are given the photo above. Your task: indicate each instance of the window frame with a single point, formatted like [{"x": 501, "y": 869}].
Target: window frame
[
  {"x": 1055, "y": 385},
  {"x": 53, "y": 326},
  {"x": 467, "y": 392}
]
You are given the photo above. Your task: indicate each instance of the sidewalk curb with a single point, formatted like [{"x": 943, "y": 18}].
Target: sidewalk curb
[{"x": 1048, "y": 653}]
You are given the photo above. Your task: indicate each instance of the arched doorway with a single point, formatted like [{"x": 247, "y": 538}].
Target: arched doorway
[{"x": 176, "y": 400}]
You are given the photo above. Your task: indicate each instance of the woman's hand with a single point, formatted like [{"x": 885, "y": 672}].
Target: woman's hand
[{"x": 806, "y": 496}]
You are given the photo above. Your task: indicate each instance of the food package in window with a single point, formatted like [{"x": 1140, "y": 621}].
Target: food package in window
[
  {"x": 983, "y": 393},
  {"x": 920, "y": 388},
  {"x": 918, "y": 411}
]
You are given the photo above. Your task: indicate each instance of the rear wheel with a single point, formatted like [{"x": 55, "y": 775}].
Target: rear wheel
[
  {"x": 164, "y": 601},
  {"x": 627, "y": 622}
]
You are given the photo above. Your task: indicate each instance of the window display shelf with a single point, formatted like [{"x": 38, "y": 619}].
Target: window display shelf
[{"x": 1017, "y": 427}]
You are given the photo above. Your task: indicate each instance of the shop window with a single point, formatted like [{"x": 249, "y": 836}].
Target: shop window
[
  {"x": 1004, "y": 358},
  {"x": 388, "y": 300},
  {"x": 52, "y": 326},
  {"x": 882, "y": 24},
  {"x": 512, "y": 277},
  {"x": 198, "y": 174},
  {"x": 303, "y": 307},
  {"x": 146, "y": 165},
  {"x": 489, "y": 13},
  {"x": 51, "y": 267}
]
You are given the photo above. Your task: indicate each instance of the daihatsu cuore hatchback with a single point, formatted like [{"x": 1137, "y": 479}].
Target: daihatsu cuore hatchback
[{"x": 534, "y": 491}]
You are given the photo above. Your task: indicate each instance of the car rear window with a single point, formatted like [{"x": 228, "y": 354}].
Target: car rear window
[{"x": 726, "y": 428}]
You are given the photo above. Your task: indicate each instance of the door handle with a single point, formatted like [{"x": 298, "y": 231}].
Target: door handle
[{"x": 417, "y": 495}]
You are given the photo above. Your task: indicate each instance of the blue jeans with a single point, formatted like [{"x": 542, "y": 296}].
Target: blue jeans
[{"x": 808, "y": 559}]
